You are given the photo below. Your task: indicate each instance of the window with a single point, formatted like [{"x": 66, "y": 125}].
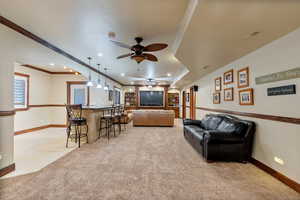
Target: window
[
  {"x": 79, "y": 96},
  {"x": 21, "y": 85},
  {"x": 117, "y": 96},
  {"x": 79, "y": 93}
]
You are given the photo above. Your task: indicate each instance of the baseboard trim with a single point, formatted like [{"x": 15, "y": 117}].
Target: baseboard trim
[
  {"x": 289, "y": 182},
  {"x": 40, "y": 128},
  {"x": 58, "y": 126},
  {"x": 7, "y": 170}
]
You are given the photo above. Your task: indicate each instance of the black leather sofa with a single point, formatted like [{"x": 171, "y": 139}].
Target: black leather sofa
[{"x": 221, "y": 137}]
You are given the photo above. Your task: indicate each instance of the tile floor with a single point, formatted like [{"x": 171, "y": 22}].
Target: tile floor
[{"x": 36, "y": 150}]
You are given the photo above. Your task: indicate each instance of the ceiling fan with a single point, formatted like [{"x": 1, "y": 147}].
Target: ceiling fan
[
  {"x": 151, "y": 81},
  {"x": 138, "y": 50}
]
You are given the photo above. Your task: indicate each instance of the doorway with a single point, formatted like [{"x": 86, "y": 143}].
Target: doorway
[
  {"x": 183, "y": 105},
  {"x": 192, "y": 103}
]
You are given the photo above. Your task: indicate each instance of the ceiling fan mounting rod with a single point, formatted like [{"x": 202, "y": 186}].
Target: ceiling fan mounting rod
[{"x": 138, "y": 39}]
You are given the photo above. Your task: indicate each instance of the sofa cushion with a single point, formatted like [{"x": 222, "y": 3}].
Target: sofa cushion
[
  {"x": 211, "y": 122},
  {"x": 232, "y": 127},
  {"x": 223, "y": 137},
  {"x": 196, "y": 131},
  {"x": 193, "y": 128}
]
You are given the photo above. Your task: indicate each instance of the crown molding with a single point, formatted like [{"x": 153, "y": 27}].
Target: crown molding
[
  {"x": 49, "y": 72},
  {"x": 47, "y": 44}
]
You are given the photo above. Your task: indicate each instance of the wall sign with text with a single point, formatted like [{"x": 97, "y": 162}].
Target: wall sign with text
[{"x": 282, "y": 90}]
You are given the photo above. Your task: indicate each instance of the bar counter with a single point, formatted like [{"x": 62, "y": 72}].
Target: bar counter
[{"x": 92, "y": 115}]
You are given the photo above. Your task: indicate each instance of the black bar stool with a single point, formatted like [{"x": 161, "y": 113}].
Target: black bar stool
[
  {"x": 120, "y": 117},
  {"x": 76, "y": 121},
  {"x": 108, "y": 117}
]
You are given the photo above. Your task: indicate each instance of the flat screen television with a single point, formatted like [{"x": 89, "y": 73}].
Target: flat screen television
[{"x": 151, "y": 98}]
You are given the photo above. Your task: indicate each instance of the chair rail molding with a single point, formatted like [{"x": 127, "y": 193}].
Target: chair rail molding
[
  {"x": 7, "y": 113},
  {"x": 284, "y": 119}
]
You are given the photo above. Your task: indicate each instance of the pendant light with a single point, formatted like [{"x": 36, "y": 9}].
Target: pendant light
[
  {"x": 106, "y": 87},
  {"x": 90, "y": 82},
  {"x": 98, "y": 80}
]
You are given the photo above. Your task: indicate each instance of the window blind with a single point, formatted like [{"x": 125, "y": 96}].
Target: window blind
[{"x": 19, "y": 92}]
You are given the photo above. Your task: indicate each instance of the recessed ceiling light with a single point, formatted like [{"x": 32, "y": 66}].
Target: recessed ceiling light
[
  {"x": 65, "y": 67},
  {"x": 132, "y": 82},
  {"x": 254, "y": 33},
  {"x": 206, "y": 67},
  {"x": 52, "y": 64},
  {"x": 100, "y": 54},
  {"x": 168, "y": 74},
  {"x": 122, "y": 74},
  {"x": 71, "y": 70},
  {"x": 76, "y": 73}
]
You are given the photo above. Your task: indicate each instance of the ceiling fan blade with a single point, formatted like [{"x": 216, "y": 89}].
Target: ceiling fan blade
[
  {"x": 120, "y": 44},
  {"x": 138, "y": 59},
  {"x": 125, "y": 55},
  {"x": 155, "y": 47},
  {"x": 150, "y": 57}
]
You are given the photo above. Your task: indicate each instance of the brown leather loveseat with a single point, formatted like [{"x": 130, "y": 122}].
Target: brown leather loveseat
[{"x": 153, "y": 118}]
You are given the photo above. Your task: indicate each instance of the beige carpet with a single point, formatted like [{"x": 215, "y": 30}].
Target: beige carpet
[{"x": 144, "y": 164}]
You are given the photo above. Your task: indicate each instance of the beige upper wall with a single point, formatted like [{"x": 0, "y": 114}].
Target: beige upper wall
[
  {"x": 272, "y": 138},
  {"x": 6, "y": 122}
]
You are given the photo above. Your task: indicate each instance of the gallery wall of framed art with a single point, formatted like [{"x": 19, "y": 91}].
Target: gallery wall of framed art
[{"x": 245, "y": 94}]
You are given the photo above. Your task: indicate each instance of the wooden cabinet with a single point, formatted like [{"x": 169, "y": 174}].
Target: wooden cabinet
[
  {"x": 173, "y": 99},
  {"x": 130, "y": 99},
  {"x": 173, "y": 103}
]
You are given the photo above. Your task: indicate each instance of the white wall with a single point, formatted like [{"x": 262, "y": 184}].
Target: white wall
[
  {"x": 58, "y": 95},
  {"x": 46, "y": 88},
  {"x": 272, "y": 138},
  {"x": 39, "y": 89},
  {"x": 14, "y": 47},
  {"x": 6, "y": 122},
  {"x": 6, "y": 98},
  {"x": 98, "y": 96}
]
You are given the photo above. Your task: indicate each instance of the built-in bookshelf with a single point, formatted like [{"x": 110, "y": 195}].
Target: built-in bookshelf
[
  {"x": 173, "y": 99},
  {"x": 130, "y": 99}
]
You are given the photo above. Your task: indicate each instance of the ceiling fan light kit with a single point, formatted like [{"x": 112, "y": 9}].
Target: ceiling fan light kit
[{"x": 138, "y": 50}]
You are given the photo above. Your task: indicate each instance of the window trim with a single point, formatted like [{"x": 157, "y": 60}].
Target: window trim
[
  {"x": 26, "y": 107},
  {"x": 119, "y": 90},
  {"x": 69, "y": 84}
]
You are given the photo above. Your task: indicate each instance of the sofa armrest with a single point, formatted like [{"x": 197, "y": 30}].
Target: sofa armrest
[
  {"x": 214, "y": 136},
  {"x": 191, "y": 122}
]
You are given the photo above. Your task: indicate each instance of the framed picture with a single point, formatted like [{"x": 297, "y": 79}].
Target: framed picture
[
  {"x": 217, "y": 98},
  {"x": 187, "y": 97},
  {"x": 246, "y": 97},
  {"x": 243, "y": 77},
  {"x": 228, "y": 94},
  {"x": 218, "y": 84},
  {"x": 228, "y": 77},
  {"x": 110, "y": 95}
]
